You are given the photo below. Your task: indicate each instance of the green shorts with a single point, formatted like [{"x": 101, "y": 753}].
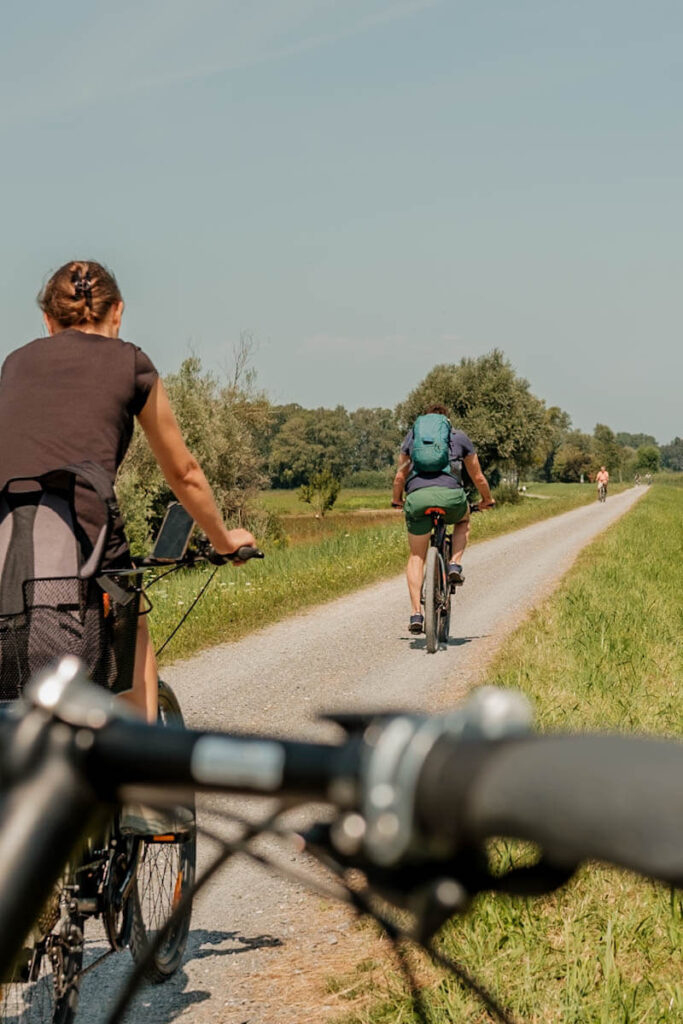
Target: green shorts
[{"x": 452, "y": 499}]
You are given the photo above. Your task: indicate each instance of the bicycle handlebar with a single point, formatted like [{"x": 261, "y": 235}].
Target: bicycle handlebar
[
  {"x": 416, "y": 790},
  {"x": 475, "y": 773},
  {"x": 242, "y": 554},
  {"x": 208, "y": 554},
  {"x": 617, "y": 799}
]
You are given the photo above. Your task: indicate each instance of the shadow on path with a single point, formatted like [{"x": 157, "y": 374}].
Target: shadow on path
[
  {"x": 420, "y": 643},
  {"x": 165, "y": 1003}
]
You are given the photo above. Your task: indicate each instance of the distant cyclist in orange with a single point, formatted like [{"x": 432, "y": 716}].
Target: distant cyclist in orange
[{"x": 602, "y": 479}]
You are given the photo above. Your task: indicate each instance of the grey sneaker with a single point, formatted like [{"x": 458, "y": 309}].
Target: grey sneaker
[
  {"x": 416, "y": 624},
  {"x": 140, "y": 820},
  {"x": 455, "y": 573}
]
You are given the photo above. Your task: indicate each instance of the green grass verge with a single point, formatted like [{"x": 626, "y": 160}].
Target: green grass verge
[
  {"x": 605, "y": 652},
  {"x": 239, "y": 601}
]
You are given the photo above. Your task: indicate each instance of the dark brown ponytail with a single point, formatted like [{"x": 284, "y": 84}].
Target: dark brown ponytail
[{"x": 80, "y": 292}]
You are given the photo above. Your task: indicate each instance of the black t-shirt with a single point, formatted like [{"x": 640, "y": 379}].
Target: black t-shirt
[
  {"x": 459, "y": 445},
  {"x": 72, "y": 398}
]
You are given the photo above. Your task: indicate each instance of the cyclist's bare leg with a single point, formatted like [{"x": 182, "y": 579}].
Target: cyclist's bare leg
[
  {"x": 461, "y": 534},
  {"x": 418, "y": 543},
  {"x": 143, "y": 695}
]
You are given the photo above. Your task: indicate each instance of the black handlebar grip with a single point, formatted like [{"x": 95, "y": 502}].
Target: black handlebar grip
[
  {"x": 617, "y": 799},
  {"x": 244, "y": 553}
]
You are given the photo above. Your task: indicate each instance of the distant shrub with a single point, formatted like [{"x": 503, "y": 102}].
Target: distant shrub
[
  {"x": 371, "y": 479},
  {"x": 321, "y": 491},
  {"x": 506, "y": 494},
  {"x": 267, "y": 526}
]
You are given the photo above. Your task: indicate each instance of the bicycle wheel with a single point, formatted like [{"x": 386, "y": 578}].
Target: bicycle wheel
[
  {"x": 43, "y": 988},
  {"x": 165, "y": 874},
  {"x": 433, "y": 598}
]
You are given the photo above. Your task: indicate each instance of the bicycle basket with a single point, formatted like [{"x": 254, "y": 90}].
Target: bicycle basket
[
  {"x": 60, "y": 616},
  {"x": 50, "y": 601}
]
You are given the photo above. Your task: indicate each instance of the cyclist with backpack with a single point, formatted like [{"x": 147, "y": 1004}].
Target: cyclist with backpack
[
  {"x": 71, "y": 399},
  {"x": 430, "y": 472}
]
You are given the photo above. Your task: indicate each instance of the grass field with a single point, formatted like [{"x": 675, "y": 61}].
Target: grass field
[
  {"x": 287, "y": 502},
  {"x": 357, "y": 509},
  {"x": 239, "y": 601},
  {"x": 350, "y": 498},
  {"x": 605, "y": 653}
]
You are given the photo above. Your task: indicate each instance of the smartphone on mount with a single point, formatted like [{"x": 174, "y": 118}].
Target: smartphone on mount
[{"x": 174, "y": 534}]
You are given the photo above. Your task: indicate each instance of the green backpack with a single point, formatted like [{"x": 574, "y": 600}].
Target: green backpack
[{"x": 431, "y": 443}]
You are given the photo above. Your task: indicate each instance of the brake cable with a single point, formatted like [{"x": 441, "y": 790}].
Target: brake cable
[{"x": 180, "y": 623}]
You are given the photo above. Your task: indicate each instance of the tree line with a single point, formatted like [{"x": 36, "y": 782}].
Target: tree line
[{"x": 244, "y": 442}]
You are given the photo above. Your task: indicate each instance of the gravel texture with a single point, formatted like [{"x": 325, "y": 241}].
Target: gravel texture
[{"x": 260, "y": 947}]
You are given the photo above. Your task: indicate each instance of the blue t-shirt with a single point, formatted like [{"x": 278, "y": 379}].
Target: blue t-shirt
[{"x": 460, "y": 446}]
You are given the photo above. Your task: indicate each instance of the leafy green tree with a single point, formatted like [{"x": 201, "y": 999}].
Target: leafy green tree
[
  {"x": 321, "y": 491},
  {"x": 376, "y": 439},
  {"x": 672, "y": 455},
  {"x": 647, "y": 458},
  {"x": 627, "y": 467},
  {"x": 605, "y": 448},
  {"x": 221, "y": 426},
  {"x": 309, "y": 442},
  {"x": 575, "y": 458},
  {"x": 558, "y": 424},
  {"x": 634, "y": 440},
  {"x": 491, "y": 403}
]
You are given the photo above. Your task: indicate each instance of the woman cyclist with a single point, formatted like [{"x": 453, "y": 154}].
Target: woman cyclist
[{"x": 73, "y": 396}]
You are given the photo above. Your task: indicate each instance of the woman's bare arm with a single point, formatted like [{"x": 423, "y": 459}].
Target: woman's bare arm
[{"x": 183, "y": 473}]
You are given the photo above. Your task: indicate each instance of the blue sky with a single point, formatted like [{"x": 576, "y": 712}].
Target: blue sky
[{"x": 368, "y": 186}]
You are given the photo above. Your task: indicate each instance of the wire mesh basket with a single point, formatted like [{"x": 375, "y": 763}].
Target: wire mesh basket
[{"x": 70, "y": 616}]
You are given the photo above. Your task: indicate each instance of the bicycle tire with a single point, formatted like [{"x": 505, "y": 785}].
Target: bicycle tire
[
  {"x": 445, "y": 618},
  {"x": 117, "y": 917},
  {"x": 165, "y": 874},
  {"x": 44, "y": 987},
  {"x": 432, "y": 599}
]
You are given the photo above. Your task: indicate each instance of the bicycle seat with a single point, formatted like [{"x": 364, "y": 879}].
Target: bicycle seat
[{"x": 433, "y": 511}]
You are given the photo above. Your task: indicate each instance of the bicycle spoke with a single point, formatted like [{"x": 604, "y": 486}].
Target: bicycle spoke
[{"x": 138, "y": 973}]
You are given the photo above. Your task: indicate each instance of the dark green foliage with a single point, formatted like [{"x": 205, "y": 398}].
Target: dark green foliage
[
  {"x": 633, "y": 440},
  {"x": 558, "y": 424},
  {"x": 222, "y": 427},
  {"x": 377, "y": 438},
  {"x": 647, "y": 459},
  {"x": 575, "y": 458},
  {"x": 672, "y": 455},
  {"x": 373, "y": 479},
  {"x": 605, "y": 448},
  {"x": 506, "y": 494},
  {"x": 491, "y": 404},
  {"x": 309, "y": 442}
]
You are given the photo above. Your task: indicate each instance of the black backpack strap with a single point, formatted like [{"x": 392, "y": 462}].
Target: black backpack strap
[{"x": 100, "y": 481}]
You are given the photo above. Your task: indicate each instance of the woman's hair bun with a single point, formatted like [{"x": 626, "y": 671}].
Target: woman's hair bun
[{"x": 80, "y": 292}]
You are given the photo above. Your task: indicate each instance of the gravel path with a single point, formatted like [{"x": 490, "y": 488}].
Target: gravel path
[{"x": 260, "y": 947}]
